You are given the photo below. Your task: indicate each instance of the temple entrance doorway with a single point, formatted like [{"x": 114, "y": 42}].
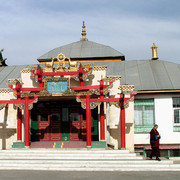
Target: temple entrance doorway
[{"x": 61, "y": 121}]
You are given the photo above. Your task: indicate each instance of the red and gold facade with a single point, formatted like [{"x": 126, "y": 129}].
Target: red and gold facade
[{"x": 67, "y": 103}]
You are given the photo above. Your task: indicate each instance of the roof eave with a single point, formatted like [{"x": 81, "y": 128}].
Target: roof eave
[{"x": 89, "y": 58}]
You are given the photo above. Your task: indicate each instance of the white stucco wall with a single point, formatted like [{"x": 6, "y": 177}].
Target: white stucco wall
[
  {"x": 8, "y": 123},
  {"x": 164, "y": 117}
]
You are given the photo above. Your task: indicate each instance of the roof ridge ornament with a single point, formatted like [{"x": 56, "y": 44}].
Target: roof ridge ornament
[
  {"x": 83, "y": 32},
  {"x": 2, "y": 60},
  {"x": 154, "y": 52}
]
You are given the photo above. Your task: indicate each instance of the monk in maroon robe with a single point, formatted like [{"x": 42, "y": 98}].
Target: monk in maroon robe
[{"x": 154, "y": 141}]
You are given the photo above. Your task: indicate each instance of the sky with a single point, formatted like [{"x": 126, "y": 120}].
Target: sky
[{"x": 31, "y": 28}]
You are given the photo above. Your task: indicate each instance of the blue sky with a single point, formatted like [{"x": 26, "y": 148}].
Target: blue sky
[{"x": 30, "y": 28}]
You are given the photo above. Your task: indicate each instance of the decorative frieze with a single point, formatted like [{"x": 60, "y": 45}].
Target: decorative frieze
[
  {"x": 99, "y": 68},
  {"x": 4, "y": 90},
  {"x": 127, "y": 88},
  {"x": 26, "y": 70},
  {"x": 114, "y": 77}
]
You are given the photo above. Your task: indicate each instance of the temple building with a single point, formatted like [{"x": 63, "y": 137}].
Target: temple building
[{"x": 85, "y": 94}]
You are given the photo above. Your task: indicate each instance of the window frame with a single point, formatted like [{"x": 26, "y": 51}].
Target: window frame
[
  {"x": 144, "y": 128},
  {"x": 176, "y": 126}
]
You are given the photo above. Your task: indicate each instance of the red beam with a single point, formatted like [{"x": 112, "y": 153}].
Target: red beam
[
  {"x": 85, "y": 88},
  {"x": 26, "y": 89},
  {"x": 32, "y": 89},
  {"x": 105, "y": 99},
  {"x": 89, "y": 87},
  {"x": 17, "y": 101}
]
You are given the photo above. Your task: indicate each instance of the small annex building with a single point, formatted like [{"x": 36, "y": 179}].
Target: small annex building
[{"x": 58, "y": 110}]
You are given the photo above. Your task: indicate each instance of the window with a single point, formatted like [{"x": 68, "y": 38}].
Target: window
[
  {"x": 144, "y": 115},
  {"x": 176, "y": 108},
  {"x": 74, "y": 116}
]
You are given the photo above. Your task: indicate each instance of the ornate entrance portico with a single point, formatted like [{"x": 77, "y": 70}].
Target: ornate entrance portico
[{"x": 61, "y": 123}]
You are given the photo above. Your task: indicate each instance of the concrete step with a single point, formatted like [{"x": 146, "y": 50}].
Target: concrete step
[
  {"x": 88, "y": 165},
  {"x": 65, "y": 151},
  {"x": 68, "y": 158},
  {"x": 144, "y": 168},
  {"x": 80, "y": 160},
  {"x": 70, "y": 154},
  {"x": 61, "y": 162}
]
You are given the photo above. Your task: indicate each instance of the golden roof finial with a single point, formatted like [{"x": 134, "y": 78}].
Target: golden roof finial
[
  {"x": 83, "y": 31},
  {"x": 154, "y": 52}
]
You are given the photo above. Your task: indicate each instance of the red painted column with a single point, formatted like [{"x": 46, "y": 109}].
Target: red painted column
[
  {"x": 88, "y": 121},
  {"x": 102, "y": 123},
  {"x": 80, "y": 76},
  {"x": 19, "y": 125},
  {"x": 123, "y": 131},
  {"x": 26, "y": 122}
]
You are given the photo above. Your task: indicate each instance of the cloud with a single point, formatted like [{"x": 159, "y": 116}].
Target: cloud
[{"x": 31, "y": 28}]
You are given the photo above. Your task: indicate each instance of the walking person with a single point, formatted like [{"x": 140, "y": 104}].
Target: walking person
[{"x": 154, "y": 141}]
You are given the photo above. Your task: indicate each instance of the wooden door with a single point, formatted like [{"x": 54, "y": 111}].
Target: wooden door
[
  {"x": 77, "y": 125},
  {"x": 49, "y": 125},
  {"x": 44, "y": 119},
  {"x": 55, "y": 125}
]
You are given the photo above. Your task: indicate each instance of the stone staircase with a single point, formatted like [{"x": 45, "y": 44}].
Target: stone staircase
[{"x": 80, "y": 160}]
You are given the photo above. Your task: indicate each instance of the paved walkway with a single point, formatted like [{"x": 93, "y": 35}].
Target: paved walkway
[{"x": 42, "y": 175}]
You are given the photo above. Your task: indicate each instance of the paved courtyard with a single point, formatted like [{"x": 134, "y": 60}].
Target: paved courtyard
[{"x": 42, "y": 175}]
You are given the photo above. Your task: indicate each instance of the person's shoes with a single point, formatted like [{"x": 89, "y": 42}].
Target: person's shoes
[{"x": 158, "y": 159}]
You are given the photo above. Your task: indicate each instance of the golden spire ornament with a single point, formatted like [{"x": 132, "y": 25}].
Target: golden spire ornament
[
  {"x": 154, "y": 52},
  {"x": 83, "y": 31}
]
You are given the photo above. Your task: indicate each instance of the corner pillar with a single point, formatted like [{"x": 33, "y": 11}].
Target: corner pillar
[
  {"x": 102, "y": 124},
  {"x": 123, "y": 131},
  {"x": 19, "y": 125},
  {"x": 88, "y": 122},
  {"x": 26, "y": 122}
]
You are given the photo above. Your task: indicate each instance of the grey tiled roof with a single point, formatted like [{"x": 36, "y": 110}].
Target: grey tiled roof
[
  {"x": 144, "y": 74},
  {"x": 83, "y": 49},
  {"x": 10, "y": 72}
]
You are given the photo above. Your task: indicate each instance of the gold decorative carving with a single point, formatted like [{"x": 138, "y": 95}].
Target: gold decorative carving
[
  {"x": 49, "y": 66},
  {"x": 44, "y": 92},
  {"x": 73, "y": 65},
  {"x": 61, "y": 59}
]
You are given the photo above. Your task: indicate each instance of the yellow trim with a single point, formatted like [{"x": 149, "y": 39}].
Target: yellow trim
[
  {"x": 157, "y": 91},
  {"x": 81, "y": 61},
  {"x": 54, "y": 145},
  {"x": 62, "y": 145}
]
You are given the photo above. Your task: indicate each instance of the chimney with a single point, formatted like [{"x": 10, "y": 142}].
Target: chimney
[{"x": 154, "y": 52}]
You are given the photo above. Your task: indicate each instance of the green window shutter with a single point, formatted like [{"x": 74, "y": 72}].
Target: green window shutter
[{"x": 143, "y": 114}]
